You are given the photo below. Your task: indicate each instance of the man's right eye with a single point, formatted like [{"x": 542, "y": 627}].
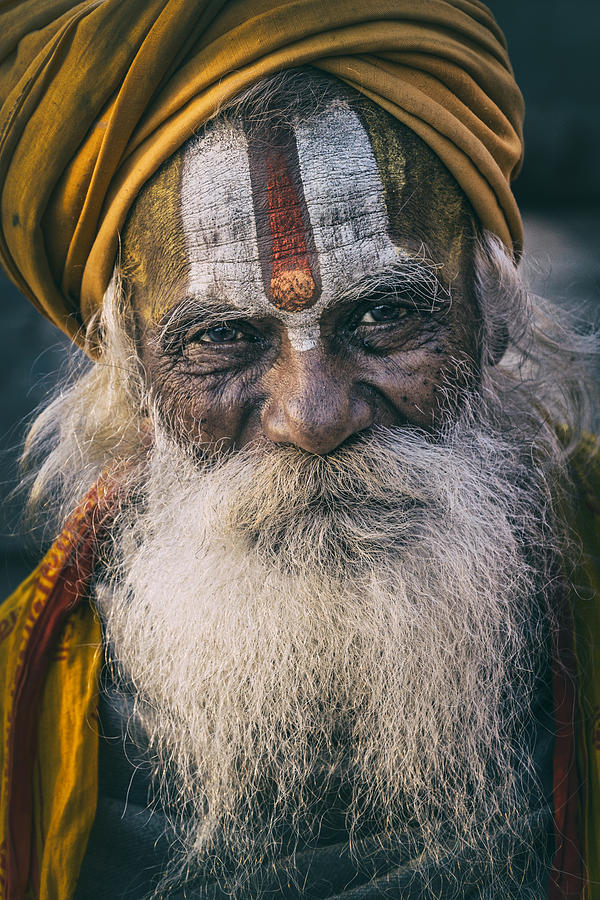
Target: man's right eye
[{"x": 220, "y": 334}]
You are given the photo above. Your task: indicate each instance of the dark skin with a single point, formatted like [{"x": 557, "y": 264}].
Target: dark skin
[
  {"x": 378, "y": 364},
  {"x": 393, "y": 355}
]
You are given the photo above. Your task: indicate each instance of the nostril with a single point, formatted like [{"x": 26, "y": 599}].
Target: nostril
[
  {"x": 274, "y": 423},
  {"x": 317, "y": 427}
]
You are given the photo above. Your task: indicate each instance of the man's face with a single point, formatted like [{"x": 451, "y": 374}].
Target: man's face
[
  {"x": 302, "y": 627},
  {"x": 303, "y": 282}
]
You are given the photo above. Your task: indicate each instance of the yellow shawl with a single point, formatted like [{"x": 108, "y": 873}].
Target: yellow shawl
[{"x": 49, "y": 659}]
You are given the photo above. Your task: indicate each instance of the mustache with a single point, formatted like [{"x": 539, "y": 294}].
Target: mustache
[
  {"x": 379, "y": 492},
  {"x": 348, "y": 502}
]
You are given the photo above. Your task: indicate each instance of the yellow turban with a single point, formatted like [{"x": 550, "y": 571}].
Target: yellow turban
[{"x": 96, "y": 95}]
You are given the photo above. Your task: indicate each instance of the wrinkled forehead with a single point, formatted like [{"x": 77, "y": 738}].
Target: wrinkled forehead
[{"x": 283, "y": 217}]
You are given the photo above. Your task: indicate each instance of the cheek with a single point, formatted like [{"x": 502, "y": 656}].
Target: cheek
[
  {"x": 201, "y": 410},
  {"x": 212, "y": 416},
  {"x": 424, "y": 386}
]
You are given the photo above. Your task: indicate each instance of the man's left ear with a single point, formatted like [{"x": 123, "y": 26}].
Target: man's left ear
[{"x": 498, "y": 343}]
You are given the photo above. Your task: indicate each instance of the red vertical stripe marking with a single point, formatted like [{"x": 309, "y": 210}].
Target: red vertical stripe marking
[
  {"x": 286, "y": 246},
  {"x": 292, "y": 285}
]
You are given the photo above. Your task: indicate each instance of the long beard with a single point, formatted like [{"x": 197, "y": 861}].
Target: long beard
[{"x": 359, "y": 631}]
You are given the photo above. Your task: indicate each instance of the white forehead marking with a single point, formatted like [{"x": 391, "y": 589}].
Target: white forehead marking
[
  {"x": 220, "y": 229},
  {"x": 218, "y": 218},
  {"x": 303, "y": 337},
  {"x": 346, "y": 207},
  {"x": 345, "y": 199}
]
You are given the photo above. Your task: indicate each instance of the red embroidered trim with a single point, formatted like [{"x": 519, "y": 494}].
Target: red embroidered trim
[
  {"x": 567, "y": 878},
  {"x": 62, "y": 584}
]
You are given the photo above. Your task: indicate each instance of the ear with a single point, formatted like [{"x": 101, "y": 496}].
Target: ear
[{"x": 498, "y": 343}]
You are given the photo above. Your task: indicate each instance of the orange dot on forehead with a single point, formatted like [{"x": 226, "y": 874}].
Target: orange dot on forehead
[{"x": 292, "y": 290}]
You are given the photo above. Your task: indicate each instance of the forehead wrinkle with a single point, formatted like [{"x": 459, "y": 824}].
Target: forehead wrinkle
[{"x": 351, "y": 157}]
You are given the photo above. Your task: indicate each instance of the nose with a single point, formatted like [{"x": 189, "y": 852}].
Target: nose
[{"x": 313, "y": 406}]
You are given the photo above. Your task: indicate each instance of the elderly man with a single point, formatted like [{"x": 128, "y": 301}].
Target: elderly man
[{"x": 318, "y": 623}]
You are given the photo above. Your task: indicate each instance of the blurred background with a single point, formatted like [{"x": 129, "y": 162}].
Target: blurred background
[{"x": 554, "y": 49}]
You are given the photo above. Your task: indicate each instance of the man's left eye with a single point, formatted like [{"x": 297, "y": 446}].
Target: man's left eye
[
  {"x": 221, "y": 334},
  {"x": 381, "y": 314}
]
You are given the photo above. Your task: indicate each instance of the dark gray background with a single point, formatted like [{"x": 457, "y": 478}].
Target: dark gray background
[{"x": 554, "y": 47}]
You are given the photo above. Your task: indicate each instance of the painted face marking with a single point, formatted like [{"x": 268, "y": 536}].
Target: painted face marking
[
  {"x": 287, "y": 252},
  {"x": 218, "y": 219},
  {"x": 292, "y": 284},
  {"x": 345, "y": 198},
  {"x": 281, "y": 223},
  {"x": 303, "y": 337}
]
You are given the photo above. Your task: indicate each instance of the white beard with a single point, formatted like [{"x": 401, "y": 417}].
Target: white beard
[{"x": 368, "y": 620}]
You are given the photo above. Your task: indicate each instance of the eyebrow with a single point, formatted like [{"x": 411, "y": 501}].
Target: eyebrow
[
  {"x": 200, "y": 311},
  {"x": 413, "y": 277}
]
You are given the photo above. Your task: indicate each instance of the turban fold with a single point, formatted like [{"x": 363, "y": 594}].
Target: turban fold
[{"x": 96, "y": 95}]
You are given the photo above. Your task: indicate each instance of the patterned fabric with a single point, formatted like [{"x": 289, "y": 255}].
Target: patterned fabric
[{"x": 50, "y": 660}]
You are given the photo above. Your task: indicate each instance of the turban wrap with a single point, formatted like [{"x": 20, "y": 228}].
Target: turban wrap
[{"x": 96, "y": 95}]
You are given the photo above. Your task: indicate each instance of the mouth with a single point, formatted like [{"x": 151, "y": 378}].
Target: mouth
[{"x": 333, "y": 529}]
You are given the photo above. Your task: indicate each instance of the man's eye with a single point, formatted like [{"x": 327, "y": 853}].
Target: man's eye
[
  {"x": 221, "y": 334},
  {"x": 381, "y": 314}
]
